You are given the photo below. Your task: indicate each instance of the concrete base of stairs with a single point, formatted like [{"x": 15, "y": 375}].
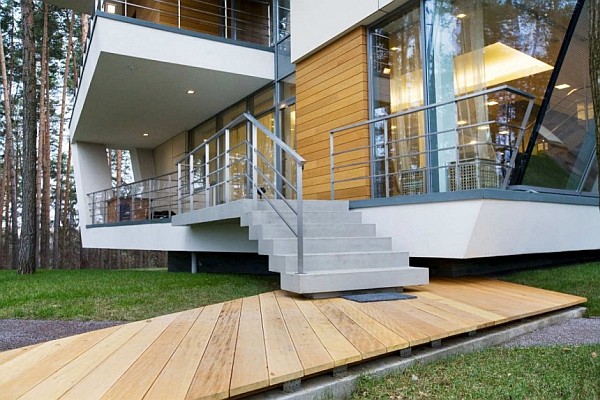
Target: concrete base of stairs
[{"x": 341, "y": 386}]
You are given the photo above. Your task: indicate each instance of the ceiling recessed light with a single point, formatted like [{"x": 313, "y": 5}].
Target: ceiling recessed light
[
  {"x": 503, "y": 132},
  {"x": 461, "y": 16},
  {"x": 191, "y": 91},
  {"x": 462, "y": 122},
  {"x": 386, "y": 71},
  {"x": 394, "y": 48},
  {"x": 111, "y": 8},
  {"x": 492, "y": 103},
  {"x": 562, "y": 86},
  {"x": 484, "y": 128},
  {"x": 144, "y": 134}
]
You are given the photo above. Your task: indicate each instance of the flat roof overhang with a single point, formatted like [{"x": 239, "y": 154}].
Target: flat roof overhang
[{"x": 136, "y": 80}]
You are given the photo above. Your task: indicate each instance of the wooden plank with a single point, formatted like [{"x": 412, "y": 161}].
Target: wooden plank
[
  {"x": 250, "y": 371},
  {"x": 313, "y": 355},
  {"x": 61, "y": 381},
  {"x": 532, "y": 292},
  {"x": 213, "y": 376},
  {"x": 176, "y": 378},
  {"x": 339, "y": 348},
  {"x": 8, "y": 355},
  {"x": 135, "y": 382},
  {"x": 480, "y": 317},
  {"x": 463, "y": 307},
  {"x": 460, "y": 324},
  {"x": 283, "y": 361},
  {"x": 383, "y": 334},
  {"x": 423, "y": 314},
  {"x": 16, "y": 381},
  {"x": 360, "y": 339}
]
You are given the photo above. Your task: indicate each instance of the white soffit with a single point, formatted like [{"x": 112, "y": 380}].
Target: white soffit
[{"x": 136, "y": 81}]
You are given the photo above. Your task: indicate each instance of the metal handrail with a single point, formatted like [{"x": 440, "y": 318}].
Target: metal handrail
[
  {"x": 201, "y": 179},
  {"x": 502, "y": 166}
]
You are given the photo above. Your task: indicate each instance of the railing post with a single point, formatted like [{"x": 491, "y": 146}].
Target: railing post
[
  {"x": 300, "y": 215},
  {"x": 191, "y": 182},
  {"x": 227, "y": 168},
  {"x": 179, "y": 190},
  {"x": 513, "y": 156},
  {"x": 225, "y": 34},
  {"x": 254, "y": 166},
  {"x": 457, "y": 171},
  {"x": 179, "y": 14},
  {"x": 206, "y": 176},
  {"x": 331, "y": 165},
  {"x": 386, "y": 166},
  {"x": 149, "y": 198}
]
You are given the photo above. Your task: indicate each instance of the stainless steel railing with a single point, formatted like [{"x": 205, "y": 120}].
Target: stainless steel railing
[
  {"x": 227, "y": 19},
  {"x": 245, "y": 160},
  {"x": 149, "y": 199},
  {"x": 470, "y": 142}
]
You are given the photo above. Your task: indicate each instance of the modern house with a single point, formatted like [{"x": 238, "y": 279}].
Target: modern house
[{"x": 338, "y": 137}]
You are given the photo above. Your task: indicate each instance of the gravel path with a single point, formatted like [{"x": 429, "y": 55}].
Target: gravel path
[
  {"x": 16, "y": 333},
  {"x": 571, "y": 332}
]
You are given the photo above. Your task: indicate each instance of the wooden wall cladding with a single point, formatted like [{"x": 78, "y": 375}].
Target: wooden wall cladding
[{"x": 332, "y": 91}]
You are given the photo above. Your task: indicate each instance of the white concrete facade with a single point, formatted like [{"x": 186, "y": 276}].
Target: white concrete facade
[
  {"x": 486, "y": 228},
  {"x": 333, "y": 18}
]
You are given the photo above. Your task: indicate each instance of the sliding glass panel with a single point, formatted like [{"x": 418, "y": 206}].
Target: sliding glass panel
[
  {"x": 473, "y": 46},
  {"x": 566, "y": 141},
  {"x": 398, "y": 85}
]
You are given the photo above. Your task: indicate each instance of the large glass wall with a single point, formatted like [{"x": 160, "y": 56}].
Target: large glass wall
[
  {"x": 563, "y": 154},
  {"x": 437, "y": 50}
]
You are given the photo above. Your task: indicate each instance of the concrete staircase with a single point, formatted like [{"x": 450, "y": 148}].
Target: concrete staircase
[{"x": 340, "y": 252}]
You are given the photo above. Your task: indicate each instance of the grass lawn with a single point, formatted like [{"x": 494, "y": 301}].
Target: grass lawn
[
  {"x": 581, "y": 279},
  {"x": 542, "y": 373},
  {"x": 118, "y": 295},
  {"x": 539, "y": 373}
]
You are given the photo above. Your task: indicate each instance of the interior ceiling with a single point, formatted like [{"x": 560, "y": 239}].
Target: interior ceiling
[
  {"x": 82, "y": 6},
  {"x": 129, "y": 97}
]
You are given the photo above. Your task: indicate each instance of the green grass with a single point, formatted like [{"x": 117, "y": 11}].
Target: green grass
[
  {"x": 497, "y": 373},
  {"x": 118, "y": 295},
  {"x": 581, "y": 279},
  {"x": 543, "y": 171}
]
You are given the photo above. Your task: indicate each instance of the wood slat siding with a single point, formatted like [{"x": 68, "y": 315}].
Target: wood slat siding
[{"x": 332, "y": 91}]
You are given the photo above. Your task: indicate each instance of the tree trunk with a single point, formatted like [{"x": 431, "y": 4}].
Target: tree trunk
[
  {"x": 595, "y": 70},
  {"x": 28, "y": 228},
  {"x": 58, "y": 199},
  {"x": 43, "y": 223}
]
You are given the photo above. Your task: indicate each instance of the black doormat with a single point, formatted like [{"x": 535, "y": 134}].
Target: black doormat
[{"x": 384, "y": 296}]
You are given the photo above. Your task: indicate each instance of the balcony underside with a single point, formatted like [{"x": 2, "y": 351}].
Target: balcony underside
[
  {"x": 83, "y": 6},
  {"x": 136, "y": 79}
]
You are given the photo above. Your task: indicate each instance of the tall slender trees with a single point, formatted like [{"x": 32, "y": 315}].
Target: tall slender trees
[{"x": 27, "y": 246}]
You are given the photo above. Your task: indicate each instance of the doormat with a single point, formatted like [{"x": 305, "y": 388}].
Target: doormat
[{"x": 372, "y": 297}]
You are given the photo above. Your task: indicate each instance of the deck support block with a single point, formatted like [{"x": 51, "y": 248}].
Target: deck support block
[
  {"x": 406, "y": 353},
  {"x": 292, "y": 386},
  {"x": 472, "y": 333},
  {"x": 436, "y": 344},
  {"x": 340, "y": 371}
]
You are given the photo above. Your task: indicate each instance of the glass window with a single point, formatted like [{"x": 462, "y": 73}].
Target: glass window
[
  {"x": 203, "y": 132},
  {"x": 288, "y": 87},
  {"x": 264, "y": 100},
  {"x": 460, "y": 48},
  {"x": 565, "y": 143}
]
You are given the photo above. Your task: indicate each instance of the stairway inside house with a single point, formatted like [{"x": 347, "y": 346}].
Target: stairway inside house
[{"x": 341, "y": 253}]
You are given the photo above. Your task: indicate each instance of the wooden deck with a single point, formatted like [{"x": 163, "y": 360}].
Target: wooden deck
[{"x": 244, "y": 345}]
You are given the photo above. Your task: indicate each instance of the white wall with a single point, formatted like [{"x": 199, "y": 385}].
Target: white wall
[
  {"x": 486, "y": 228},
  {"x": 318, "y": 22},
  {"x": 92, "y": 173}
]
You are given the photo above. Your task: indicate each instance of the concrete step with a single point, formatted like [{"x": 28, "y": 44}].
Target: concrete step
[
  {"x": 315, "y": 217},
  {"x": 354, "y": 279},
  {"x": 308, "y": 205},
  {"x": 325, "y": 245},
  {"x": 272, "y": 231},
  {"x": 339, "y": 261}
]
